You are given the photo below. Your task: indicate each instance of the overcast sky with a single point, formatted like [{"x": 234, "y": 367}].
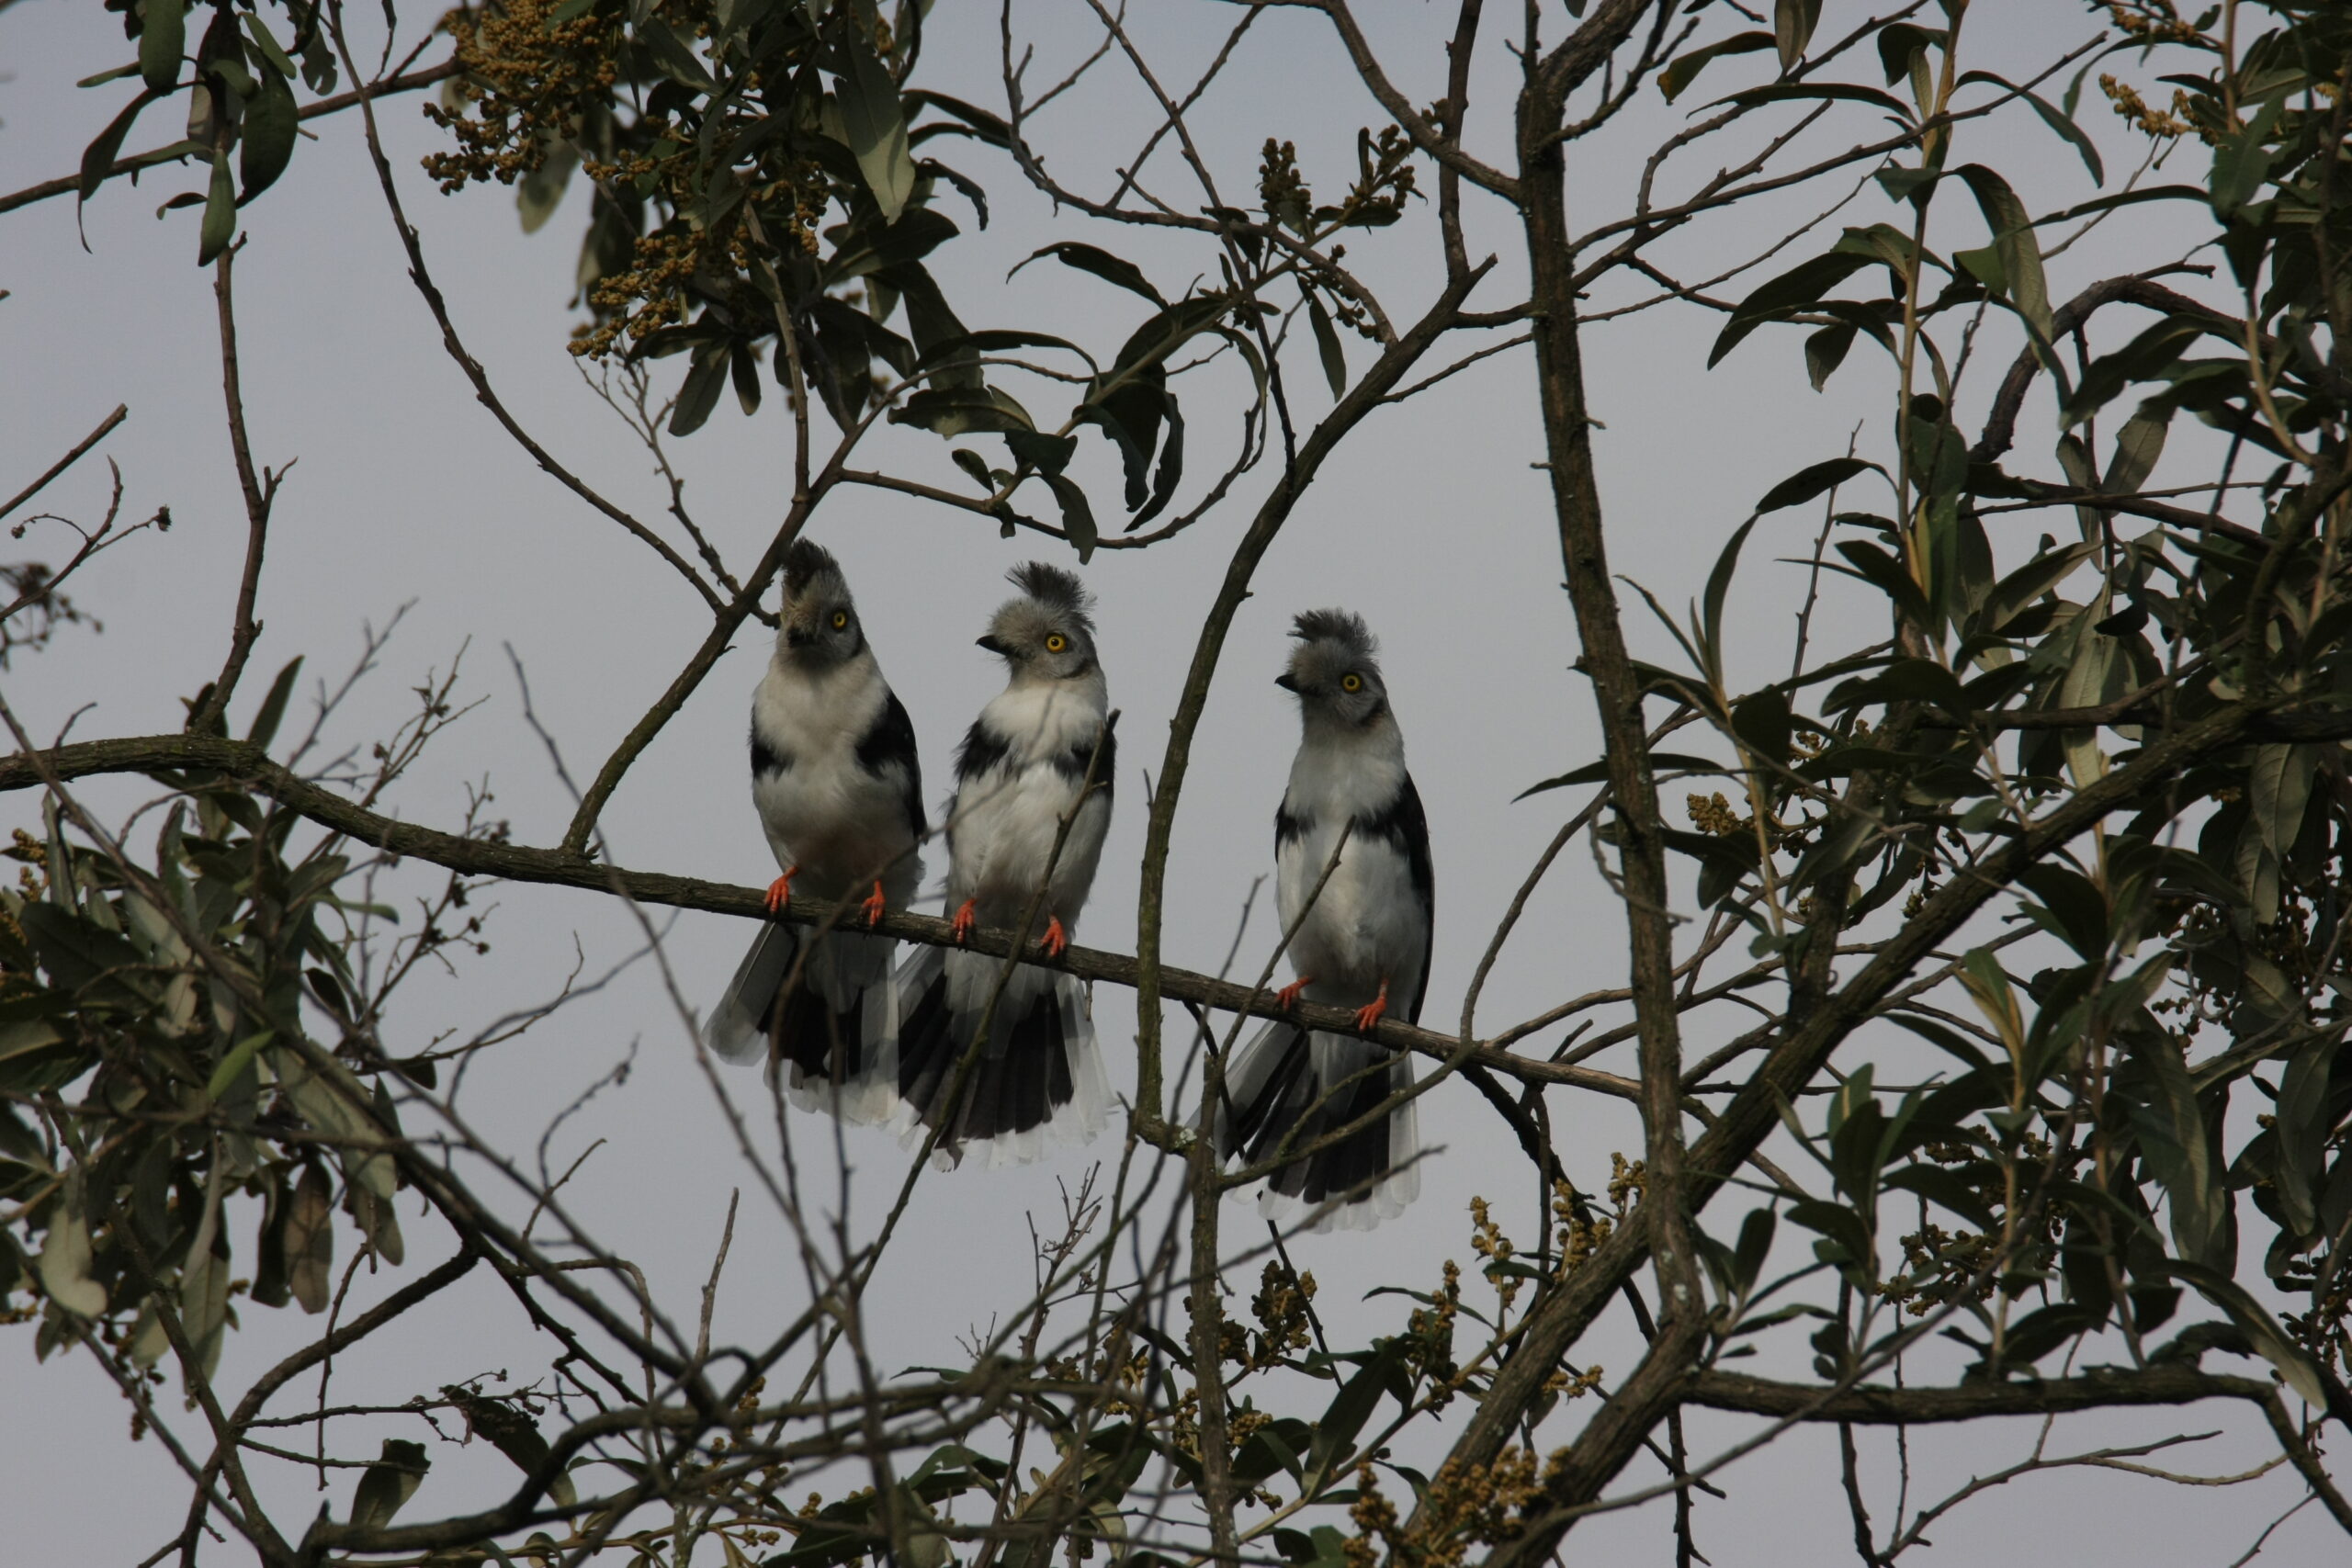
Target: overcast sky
[{"x": 1431, "y": 523}]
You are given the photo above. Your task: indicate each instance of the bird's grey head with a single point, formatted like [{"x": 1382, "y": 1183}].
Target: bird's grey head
[
  {"x": 1335, "y": 668},
  {"x": 1047, "y": 633},
  {"x": 820, "y": 624}
]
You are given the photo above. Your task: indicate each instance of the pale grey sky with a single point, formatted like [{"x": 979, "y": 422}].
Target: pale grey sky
[{"x": 1432, "y": 524}]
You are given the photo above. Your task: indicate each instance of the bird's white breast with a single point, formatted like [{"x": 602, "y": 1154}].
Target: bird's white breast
[
  {"x": 1369, "y": 922},
  {"x": 825, "y": 813},
  {"x": 1003, "y": 821}
]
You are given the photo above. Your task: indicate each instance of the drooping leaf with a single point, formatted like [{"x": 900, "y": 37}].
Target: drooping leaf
[
  {"x": 1101, "y": 263},
  {"x": 98, "y": 158},
  {"x": 1078, "y": 518},
  {"x": 390, "y": 1482},
  {"x": 266, "y": 143},
  {"x": 162, "y": 40},
  {"x": 1326, "y": 346},
  {"x": 1684, "y": 69},
  {"x": 876, "y": 126},
  {"x": 1816, "y": 479},
  {"x": 220, "y": 223}
]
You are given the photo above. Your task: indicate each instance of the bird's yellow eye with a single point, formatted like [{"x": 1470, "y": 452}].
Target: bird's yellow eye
[
  {"x": 1352, "y": 683},
  {"x": 841, "y": 619},
  {"x": 1056, "y": 642}
]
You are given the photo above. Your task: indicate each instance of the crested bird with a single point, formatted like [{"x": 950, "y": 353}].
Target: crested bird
[
  {"x": 1024, "y": 831},
  {"x": 1360, "y": 939},
  {"x": 839, "y": 791}
]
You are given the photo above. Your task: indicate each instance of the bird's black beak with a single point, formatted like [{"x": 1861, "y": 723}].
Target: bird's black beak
[
  {"x": 1285, "y": 683},
  {"x": 995, "y": 646}
]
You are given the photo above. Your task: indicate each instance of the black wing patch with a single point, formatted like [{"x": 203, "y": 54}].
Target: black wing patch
[
  {"x": 1288, "y": 830},
  {"x": 766, "y": 759},
  {"x": 980, "y": 752},
  {"x": 891, "y": 741},
  {"x": 1404, "y": 824},
  {"x": 1071, "y": 764}
]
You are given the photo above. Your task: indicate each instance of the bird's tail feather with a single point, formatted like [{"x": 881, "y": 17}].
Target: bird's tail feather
[
  {"x": 1038, "y": 1078},
  {"x": 834, "y": 1034},
  {"x": 1289, "y": 1087}
]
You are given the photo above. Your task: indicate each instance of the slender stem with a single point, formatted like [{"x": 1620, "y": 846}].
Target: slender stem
[{"x": 259, "y": 494}]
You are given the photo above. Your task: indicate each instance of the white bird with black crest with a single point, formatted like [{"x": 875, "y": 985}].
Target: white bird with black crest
[
  {"x": 839, "y": 790},
  {"x": 1361, "y": 942},
  {"x": 1031, "y": 804}
]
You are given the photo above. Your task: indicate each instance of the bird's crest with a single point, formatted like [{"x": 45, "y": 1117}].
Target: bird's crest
[
  {"x": 1342, "y": 626},
  {"x": 1053, "y": 585},
  {"x": 805, "y": 565}
]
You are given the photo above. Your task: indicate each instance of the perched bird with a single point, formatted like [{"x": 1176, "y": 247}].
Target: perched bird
[
  {"x": 1022, "y": 769},
  {"x": 840, "y": 792},
  {"x": 1363, "y": 942}
]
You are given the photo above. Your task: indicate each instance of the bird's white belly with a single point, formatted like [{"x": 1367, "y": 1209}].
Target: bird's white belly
[
  {"x": 1364, "y": 927},
  {"x": 840, "y": 825},
  {"x": 1004, "y": 830}
]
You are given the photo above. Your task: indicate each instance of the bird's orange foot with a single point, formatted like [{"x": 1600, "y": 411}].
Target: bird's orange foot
[
  {"x": 1288, "y": 996},
  {"x": 1055, "y": 942},
  {"x": 965, "y": 919},
  {"x": 780, "y": 892},
  {"x": 1369, "y": 1014},
  {"x": 874, "y": 905}
]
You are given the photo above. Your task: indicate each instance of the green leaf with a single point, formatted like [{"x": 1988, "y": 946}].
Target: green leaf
[
  {"x": 1101, "y": 263},
  {"x": 266, "y": 41},
  {"x": 1335, "y": 1434},
  {"x": 1825, "y": 351},
  {"x": 65, "y": 1255},
  {"x": 996, "y": 341},
  {"x": 2242, "y": 159},
  {"x": 513, "y": 1433},
  {"x": 1078, "y": 518},
  {"x": 699, "y": 393},
  {"x": 266, "y": 145},
  {"x": 219, "y": 213},
  {"x": 1684, "y": 69},
  {"x": 273, "y": 705},
  {"x": 1817, "y": 480},
  {"x": 1598, "y": 773},
  {"x": 2052, "y": 117},
  {"x": 1327, "y": 344},
  {"x": 1793, "y": 25},
  {"x": 388, "y": 1483},
  {"x": 1048, "y": 455},
  {"x": 2178, "y": 1147},
  {"x": 98, "y": 159},
  {"x": 876, "y": 126},
  {"x": 2302, "y": 1127},
  {"x": 306, "y": 1231},
  {"x": 960, "y": 411},
  {"x": 2077, "y": 908},
  {"x": 1799, "y": 288},
  {"x": 538, "y": 193},
  {"x": 2013, "y": 241},
  {"x": 1834, "y": 92},
  {"x": 975, "y": 465},
  {"x": 2013, "y": 594},
  {"x": 2121, "y": 198},
  {"x": 162, "y": 39},
  {"x": 2261, "y": 1330},
  {"x": 238, "y": 1059}
]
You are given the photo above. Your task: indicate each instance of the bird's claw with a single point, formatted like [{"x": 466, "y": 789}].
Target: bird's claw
[
  {"x": 965, "y": 919},
  {"x": 874, "y": 905},
  {"x": 1368, "y": 1015},
  {"x": 780, "y": 892},
  {"x": 1287, "y": 998},
  {"x": 1055, "y": 942}
]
